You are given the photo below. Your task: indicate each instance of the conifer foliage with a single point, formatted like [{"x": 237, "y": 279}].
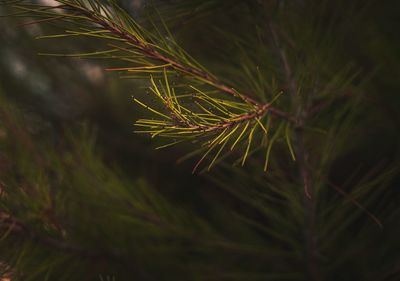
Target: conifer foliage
[
  {"x": 269, "y": 97},
  {"x": 200, "y": 106}
]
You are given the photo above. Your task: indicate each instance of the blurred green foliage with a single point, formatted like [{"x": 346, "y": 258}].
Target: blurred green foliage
[{"x": 84, "y": 198}]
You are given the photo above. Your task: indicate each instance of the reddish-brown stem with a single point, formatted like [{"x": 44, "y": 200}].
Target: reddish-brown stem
[{"x": 239, "y": 119}]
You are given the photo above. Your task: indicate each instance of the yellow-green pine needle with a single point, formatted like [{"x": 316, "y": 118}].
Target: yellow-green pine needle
[
  {"x": 230, "y": 133},
  {"x": 146, "y": 126},
  {"x": 167, "y": 83},
  {"x": 141, "y": 68},
  {"x": 269, "y": 147},
  {"x": 155, "y": 88},
  {"x": 216, "y": 155},
  {"x": 219, "y": 137},
  {"x": 268, "y": 154},
  {"x": 169, "y": 144},
  {"x": 289, "y": 143},
  {"x": 205, "y": 109},
  {"x": 241, "y": 134},
  {"x": 261, "y": 125},
  {"x": 202, "y": 158},
  {"x": 249, "y": 144},
  {"x": 276, "y": 97},
  {"x": 158, "y": 133},
  {"x": 152, "y": 122},
  {"x": 176, "y": 101},
  {"x": 215, "y": 105},
  {"x": 235, "y": 105},
  {"x": 151, "y": 109}
]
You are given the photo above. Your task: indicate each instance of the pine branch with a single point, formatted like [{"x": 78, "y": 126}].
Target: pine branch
[
  {"x": 119, "y": 29},
  {"x": 196, "y": 73},
  {"x": 302, "y": 156},
  {"x": 221, "y": 120}
]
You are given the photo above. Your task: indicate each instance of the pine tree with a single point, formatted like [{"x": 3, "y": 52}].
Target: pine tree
[{"x": 272, "y": 105}]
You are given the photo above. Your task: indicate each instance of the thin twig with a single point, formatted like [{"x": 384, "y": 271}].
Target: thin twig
[{"x": 238, "y": 119}]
